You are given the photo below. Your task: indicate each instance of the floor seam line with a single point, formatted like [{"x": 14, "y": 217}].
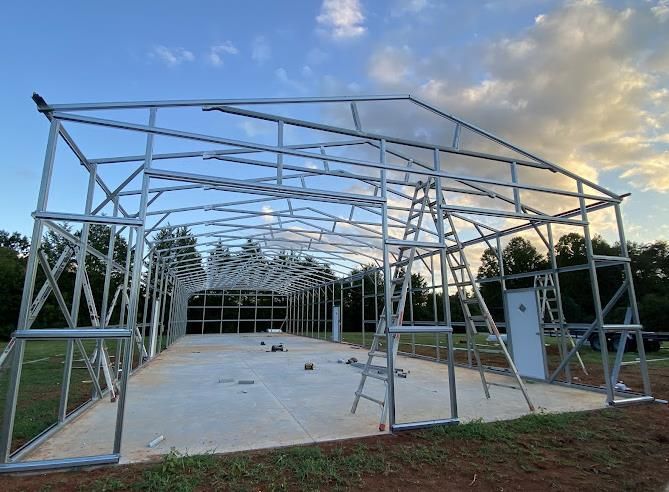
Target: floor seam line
[{"x": 281, "y": 403}]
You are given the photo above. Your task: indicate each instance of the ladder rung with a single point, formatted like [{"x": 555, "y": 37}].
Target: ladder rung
[
  {"x": 380, "y": 377},
  {"x": 616, "y": 327},
  {"x": 458, "y": 267},
  {"x": 463, "y": 284},
  {"x": 477, "y": 317},
  {"x": 366, "y": 397},
  {"x": 378, "y": 353},
  {"x": 470, "y": 300},
  {"x": 413, "y": 216},
  {"x": 610, "y": 258},
  {"x": 398, "y": 280}
]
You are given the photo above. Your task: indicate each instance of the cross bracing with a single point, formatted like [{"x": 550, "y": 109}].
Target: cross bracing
[{"x": 288, "y": 196}]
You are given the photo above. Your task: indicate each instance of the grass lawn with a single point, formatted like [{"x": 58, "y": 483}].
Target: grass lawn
[
  {"x": 40, "y": 388},
  {"x": 425, "y": 344}
]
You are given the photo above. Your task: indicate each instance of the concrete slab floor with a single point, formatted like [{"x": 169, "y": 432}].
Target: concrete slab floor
[{"x": 179, "y": 395}]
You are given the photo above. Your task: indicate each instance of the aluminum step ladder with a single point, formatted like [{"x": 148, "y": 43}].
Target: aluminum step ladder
[{"x": 400, "y": 284}]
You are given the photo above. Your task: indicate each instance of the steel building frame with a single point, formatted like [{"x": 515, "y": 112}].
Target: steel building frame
[{"x": 315, "y": 194}]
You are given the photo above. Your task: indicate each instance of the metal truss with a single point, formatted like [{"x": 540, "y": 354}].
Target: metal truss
[{"x": 290, "y": 211}]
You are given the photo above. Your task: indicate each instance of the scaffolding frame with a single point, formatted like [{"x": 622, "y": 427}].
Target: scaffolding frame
[{"x": 323, "y": 198}]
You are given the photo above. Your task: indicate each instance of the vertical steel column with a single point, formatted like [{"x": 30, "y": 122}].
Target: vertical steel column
[
  {"x": 239, "y": 309},
  {"x": 147, "y": 295},
  {"x": 303, "y": 326},
  {"x": 271, "y": 313},
  {"x": 411, "y": 319},
  {"x": 318, "y": 322},
  {"x": 599, "y": 317},
  {"x": 387, "y": 292},
  {"x": 161, "y": 323},
  {"x": 505, "y": 306},
  {"x": 255, "y": 313},
  {"x": 564, "y": 333},
  {"x": 376, "y": 298},
  {"x": 204, "y": 310},
  {"x": 124, "y": 298},
  {"x": 325, "y": 314},
  {"x": 444, "y": 285},
  {"x": 641, "y": 350},
  {"x": 7, "y": 428},
  {"x": 134, "y": 289},
  {"x": 290, "y": 300},
  {"x": 362, "y": 304},
  {"x": 279, "y": 155},
  {"x": 435, "y": 312},
  {"x": 220, "y": 326},
  {"x": 313, "y": 317},
  {"x": 341, "y": 309}
]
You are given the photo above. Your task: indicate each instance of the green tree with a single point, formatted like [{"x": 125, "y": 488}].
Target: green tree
[
  {"x": 577, "y": 297},
  {"x": 518, "y": 256},
  {"x": 13, "y": 251},
  {"x": 15, "y": 242}
]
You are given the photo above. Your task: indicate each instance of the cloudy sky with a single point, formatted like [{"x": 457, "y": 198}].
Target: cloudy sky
[{"x": 582, "y": 83}]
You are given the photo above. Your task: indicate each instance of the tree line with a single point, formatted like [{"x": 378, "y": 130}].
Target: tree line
[
  {"x": 649, "y": 261},
  {"x": 14, "y": 249}
]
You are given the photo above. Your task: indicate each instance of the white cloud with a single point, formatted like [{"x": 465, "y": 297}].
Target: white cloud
[
  {"x": 404, "y": 7},
  {"x": 216, "y": 53},
  {"x": 391, "y": 66},
  {"x": 342, "y": 19},
  {"x": 260, "y": 50},
  {"x": 584, "y": 86},
  {"x": 171, "y": 56},
  {"x": 253, "y": 128},
  {"x": 282, "y": 76},
  {"x": 661, "y": 10}
]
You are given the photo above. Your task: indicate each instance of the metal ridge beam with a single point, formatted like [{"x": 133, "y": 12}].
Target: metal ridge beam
[{"x": 45, "y": 108}]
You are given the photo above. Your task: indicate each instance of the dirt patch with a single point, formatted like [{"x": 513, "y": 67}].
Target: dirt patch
[{"x": 613, "y": 449}]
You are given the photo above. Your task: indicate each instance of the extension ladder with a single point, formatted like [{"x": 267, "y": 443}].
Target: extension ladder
[
  {"x": 474, "y": 307},
  {"x": 549, "y": 309}
]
